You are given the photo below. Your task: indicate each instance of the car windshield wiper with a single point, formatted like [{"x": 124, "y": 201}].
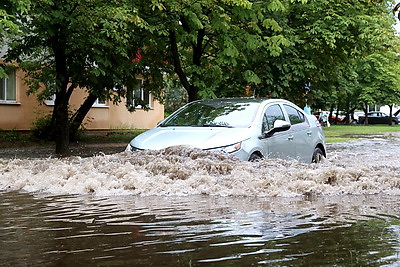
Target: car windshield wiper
[
  {"x": 195, "y": 125},
  {"x": 216, "y": 125}
]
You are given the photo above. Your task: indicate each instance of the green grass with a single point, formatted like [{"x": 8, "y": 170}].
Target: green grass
[
  {"x": 110, "y": 136},
  {"x": 342, "y": 133},
  {"x": 14, "y": 138}
]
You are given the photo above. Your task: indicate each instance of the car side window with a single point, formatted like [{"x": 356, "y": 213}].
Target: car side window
[
  {"x": 271, "y": 114},
  {"x": 295, "y": 116}
]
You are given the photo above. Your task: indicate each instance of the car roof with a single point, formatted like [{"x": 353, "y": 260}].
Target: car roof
[{"x": 240, "y": 100}]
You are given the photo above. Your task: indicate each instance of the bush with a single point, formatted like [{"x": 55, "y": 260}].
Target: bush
[{"x": 42, "y": 128}]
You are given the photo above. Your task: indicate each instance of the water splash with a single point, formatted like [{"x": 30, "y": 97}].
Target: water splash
[{"x": 362, "y": 167}]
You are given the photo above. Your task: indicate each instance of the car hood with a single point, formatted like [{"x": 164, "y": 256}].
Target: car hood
[{"x": 200, "y": 137}]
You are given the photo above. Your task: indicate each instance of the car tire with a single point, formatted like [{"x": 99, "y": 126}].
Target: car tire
[
  {"x": 255, "y": 157},
  {"x": 318, "y": 155}
]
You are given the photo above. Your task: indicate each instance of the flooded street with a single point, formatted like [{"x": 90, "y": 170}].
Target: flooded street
[{"x": 187, "y": 207}]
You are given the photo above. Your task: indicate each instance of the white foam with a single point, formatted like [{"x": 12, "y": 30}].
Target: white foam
[{"x": 366, "y": 167}]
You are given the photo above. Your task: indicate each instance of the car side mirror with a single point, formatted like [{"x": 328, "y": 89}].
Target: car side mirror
[{"x": 279, "y": 126}]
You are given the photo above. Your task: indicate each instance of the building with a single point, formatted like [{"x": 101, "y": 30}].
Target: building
[{"x": 18, "y": 110}]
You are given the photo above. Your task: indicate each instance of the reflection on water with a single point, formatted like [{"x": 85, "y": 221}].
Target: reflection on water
[
  {"x": 195, "y": 230},
  {"x": 185, "y": 207}
]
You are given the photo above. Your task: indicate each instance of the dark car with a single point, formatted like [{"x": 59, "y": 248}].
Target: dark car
[{"x": 377, "y": 117}]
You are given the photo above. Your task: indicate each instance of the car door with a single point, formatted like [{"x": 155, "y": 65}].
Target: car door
[
  {"x": 373, "y": 118},
  {"x": 300, "y": 134},
  {"x": 385, "y": 119},
  {"x": 279, "y": 145}
]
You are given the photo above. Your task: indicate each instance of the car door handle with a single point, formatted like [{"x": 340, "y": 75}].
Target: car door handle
[
  {"x": 290, "y": 137},
  {"x": 309, "y": 133}
]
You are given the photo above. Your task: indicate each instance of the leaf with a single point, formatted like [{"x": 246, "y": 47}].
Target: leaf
[
  {"x": 272, "y": 24},
  {"x": 251, "y": 77}
]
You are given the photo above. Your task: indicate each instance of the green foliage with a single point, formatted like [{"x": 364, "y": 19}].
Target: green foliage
[
  {"x": 212, "y": 42},
  {"x": 346, "y": 50},
  {"x": 66, "y": 45},
  {"x": 42, "y": 128},
  {"x": 175, "y": 95},
  {"x": 379, "y": 78},
  {"x": 328, "y": 40},
  {"x": 93, "y": 38},
  {"x": 15, "y": 138}
]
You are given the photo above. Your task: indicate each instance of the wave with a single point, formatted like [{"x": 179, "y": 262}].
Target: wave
[{"x": 361, "y": 168}]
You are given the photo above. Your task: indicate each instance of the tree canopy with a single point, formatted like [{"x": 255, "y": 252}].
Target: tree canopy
[
  {"x": 336, "y": 54},
  {"x": 66, "y": 45}
]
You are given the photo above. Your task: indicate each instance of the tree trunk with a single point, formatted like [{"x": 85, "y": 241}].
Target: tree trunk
[
  {"x": 61, "y": 126},
  {"x": 60, "y": 112},
  {"x": 350, "y": 115},
  {"x": 190, "y": 88},
  {"x": 77, "y": 119},
  {"x": 390, "y": 114},
  {"x": 365, "y": 109}
]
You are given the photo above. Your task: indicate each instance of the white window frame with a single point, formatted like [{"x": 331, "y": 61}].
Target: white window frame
[
  {"x": 100, "y": 103},
  {"x": 50, "y": 100},
  {"x": 5, "y": 83}
]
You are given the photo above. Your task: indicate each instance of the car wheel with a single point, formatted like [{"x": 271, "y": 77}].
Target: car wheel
[
  {"x": 255, "y": 157},
  {"x": 318, "y": 155}
]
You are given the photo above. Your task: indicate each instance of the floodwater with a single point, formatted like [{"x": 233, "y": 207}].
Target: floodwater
[{"x": 186, "y": 207}]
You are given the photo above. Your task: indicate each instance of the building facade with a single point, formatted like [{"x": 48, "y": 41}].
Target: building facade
[{"x": 18, "y": 110}]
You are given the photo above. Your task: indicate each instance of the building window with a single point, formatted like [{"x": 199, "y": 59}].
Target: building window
[
  {"x": 50, "y": 100},
  {"x": 138, "y": 96},
  {"x": 8, "y": 88},
  {"x": 100, "y": 102}
]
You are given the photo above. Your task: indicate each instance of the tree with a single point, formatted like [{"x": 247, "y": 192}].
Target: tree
[
  {"x": 379, "y": 80},
  {"x": 215, "y": 48},
  {"x": 209, "y": 44},
  {"x": 8, "y": 28},
  {"x": 327, "y": 39},
  {"x": 75, "y": 44}
]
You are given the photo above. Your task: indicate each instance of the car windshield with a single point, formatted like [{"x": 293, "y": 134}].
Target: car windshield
[{"x": 214, "y": 114}]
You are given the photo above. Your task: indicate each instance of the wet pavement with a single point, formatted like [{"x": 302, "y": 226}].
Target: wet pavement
[{"x": 81, "y": 150}]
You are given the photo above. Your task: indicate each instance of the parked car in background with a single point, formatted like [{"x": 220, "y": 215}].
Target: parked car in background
[
  {"x": 397, "y": 114},
  {"x": 356, "y": 116},
  {"x": 377, "y": 117},
  {"x": 249, "y": 128},
  {"x": 324, "y": 116}
]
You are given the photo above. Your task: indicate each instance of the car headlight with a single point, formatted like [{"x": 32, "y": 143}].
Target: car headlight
[
  {"x": 232, "y": 148},
  {"x": 130, "y": 148}
]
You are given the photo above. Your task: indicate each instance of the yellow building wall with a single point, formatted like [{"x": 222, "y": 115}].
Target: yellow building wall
[{"x": 20, "y": 115}]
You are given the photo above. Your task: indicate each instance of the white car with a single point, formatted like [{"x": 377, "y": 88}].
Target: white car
[
  {"x": 357, "y": 115},
  {"x": 250, "y": 128}
]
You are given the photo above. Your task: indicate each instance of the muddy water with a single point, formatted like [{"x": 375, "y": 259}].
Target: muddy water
[{"x": 182, "y": 207}]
